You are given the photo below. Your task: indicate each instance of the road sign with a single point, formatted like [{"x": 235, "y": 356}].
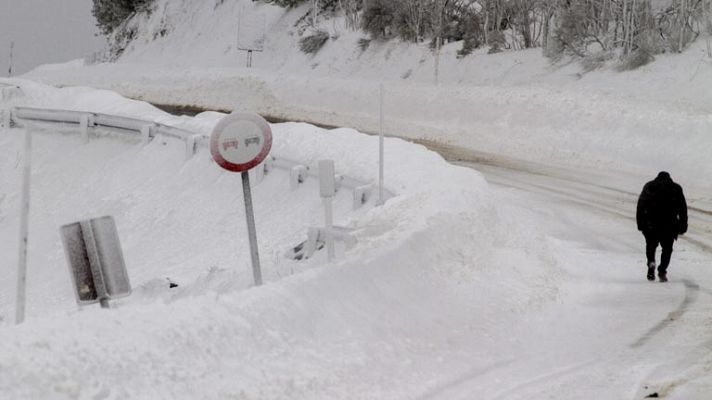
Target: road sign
[
  {"x": 240, "y": 141},
  {"x": 251, "y": 31},
  {"x": 95, "y": 260}
]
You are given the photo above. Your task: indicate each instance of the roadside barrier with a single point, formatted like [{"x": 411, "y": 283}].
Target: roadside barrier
[{"x": 146, "y": 131}]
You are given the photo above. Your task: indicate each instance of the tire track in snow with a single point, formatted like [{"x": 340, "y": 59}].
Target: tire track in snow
[{"x": 692, "y": 290}]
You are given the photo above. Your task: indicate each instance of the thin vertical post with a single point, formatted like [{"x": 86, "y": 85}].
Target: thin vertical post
[
  {"x": 329, "y": 224},
  {"x": 438, "y": 42},
  {"x": 84, "y": 128},
  {"x": 315, "y": 12},
  {"x": 24, "y": 229},
  {"x": 683, "y": 23},
  {"x": 9, "y": 70},
  {"x": 380, "y": 148},
  {"x": 251, "y": 230}
]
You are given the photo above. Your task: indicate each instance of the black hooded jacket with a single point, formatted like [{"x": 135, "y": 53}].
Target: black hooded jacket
[{"x": 662, "y": 208}]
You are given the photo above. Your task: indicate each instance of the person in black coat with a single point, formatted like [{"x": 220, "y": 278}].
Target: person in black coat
[{"x": 661, "y": 216}]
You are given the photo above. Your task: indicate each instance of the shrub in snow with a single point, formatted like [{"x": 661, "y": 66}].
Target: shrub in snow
[
  {"x": 313, "y": 43},
  {"x": 286, "y": 3},
  {"x": 469, "y": 44},
  {"x": 635, "y": 59},
  {"x": 363, "y": 44},
  {"x": 110, "y": 14},
  {"x": 596, "y": 60},
  {"x": 496, "y": 41},
  {"x": 377, "y": 18}
]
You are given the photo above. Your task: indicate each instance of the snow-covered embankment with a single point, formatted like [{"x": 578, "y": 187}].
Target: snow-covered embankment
[{"x": 415, "y": 283}]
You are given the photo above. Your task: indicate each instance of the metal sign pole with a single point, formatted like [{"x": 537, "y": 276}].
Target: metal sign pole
[
  {"x": 24, "y": 229},
  {"x": 251, "y": 230}
]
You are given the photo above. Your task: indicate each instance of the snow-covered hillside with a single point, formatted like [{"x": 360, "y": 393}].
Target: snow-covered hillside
[{"x": 511, "y": 105}]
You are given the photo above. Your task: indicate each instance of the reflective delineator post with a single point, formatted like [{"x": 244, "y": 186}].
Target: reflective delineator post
[
  {"x": 24, "y": 228},
  {"x": 327, "y": 191}
]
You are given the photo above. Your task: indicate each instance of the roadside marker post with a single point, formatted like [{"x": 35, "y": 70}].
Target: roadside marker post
[
  {"x": 327, "y": 190},
  {"x": 240, "y": 142}
]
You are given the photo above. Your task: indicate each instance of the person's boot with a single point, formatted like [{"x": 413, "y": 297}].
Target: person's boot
[
  {"x": 663, "y": 276},
  {"x": 651, "y": 271}
]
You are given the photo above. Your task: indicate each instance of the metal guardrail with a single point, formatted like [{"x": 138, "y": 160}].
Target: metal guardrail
[{"x": 362, "y": 191}]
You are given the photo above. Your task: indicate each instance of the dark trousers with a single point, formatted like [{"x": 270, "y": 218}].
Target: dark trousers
[{"x": 652, "y": 240}]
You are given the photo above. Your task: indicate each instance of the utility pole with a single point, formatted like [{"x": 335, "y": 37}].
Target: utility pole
[
  {"x": 9, "y": 70},
  {"x": 315, "y": 12},
  {"x": 708, "y": 18},
  {"x": 439, "y": 39},
  {"x": 683, "y": 23}
]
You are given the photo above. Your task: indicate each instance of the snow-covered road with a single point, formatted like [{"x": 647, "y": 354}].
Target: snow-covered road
[{"x": 619, "y": 336}]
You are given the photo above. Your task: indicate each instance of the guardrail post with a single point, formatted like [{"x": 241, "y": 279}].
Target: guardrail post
[
  {"x": 259, "y": 173},
  {"x": 146, "y": 133},
  {"x": 84, "y": 128},
  {"x": 297, "y": 176},
  {"x": 338, "y": 182},
  {"x": 362, "y": 194},
  {"x": 6, "y": 118},
  {"x": 269, "y": 164},
  {"x": 190, "y": 142}
]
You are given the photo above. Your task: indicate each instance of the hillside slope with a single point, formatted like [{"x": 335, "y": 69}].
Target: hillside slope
[{"x": 505, "y": 106}]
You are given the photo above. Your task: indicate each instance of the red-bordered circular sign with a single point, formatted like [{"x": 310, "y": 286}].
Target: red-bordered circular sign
[{"x": 240, "y": 141}]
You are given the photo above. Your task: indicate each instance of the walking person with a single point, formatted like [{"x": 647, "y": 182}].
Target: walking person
[{"x": 661, "y": 216}]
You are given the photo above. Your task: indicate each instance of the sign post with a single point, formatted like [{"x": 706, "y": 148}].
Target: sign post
[
  {"x": 251, "y": 28},
  {"x": 24, "y": 231},
  {"x": 240, "y": 142}
]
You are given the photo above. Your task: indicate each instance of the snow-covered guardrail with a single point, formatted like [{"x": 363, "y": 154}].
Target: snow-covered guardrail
[
  {"x": 362, "y": 191},
  {"x": 8, "y": 92}
]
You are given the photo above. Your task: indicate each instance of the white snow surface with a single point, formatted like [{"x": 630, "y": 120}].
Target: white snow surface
[
  {"x": 455, "y": 290},
  {"x": 311, "y": 326}
]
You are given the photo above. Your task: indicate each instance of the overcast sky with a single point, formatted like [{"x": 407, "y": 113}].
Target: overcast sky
[{"x": 45, "y": 31}]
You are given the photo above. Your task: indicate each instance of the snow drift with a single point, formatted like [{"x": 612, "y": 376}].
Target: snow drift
[{"x": 315, "y": 327}]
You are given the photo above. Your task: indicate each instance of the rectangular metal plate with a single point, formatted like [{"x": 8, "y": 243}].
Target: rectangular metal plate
[
  {"x": 108, "y": 253},
  {"x": 79, "y": 266}
]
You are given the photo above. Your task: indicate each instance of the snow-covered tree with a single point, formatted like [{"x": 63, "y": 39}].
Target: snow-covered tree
[{"x": 110, "y": 14}]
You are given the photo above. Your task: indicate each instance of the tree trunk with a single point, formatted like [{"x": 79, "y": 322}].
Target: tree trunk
[{"x": 683, "y": 24}]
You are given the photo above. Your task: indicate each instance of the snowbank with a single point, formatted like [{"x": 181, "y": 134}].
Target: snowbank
[{"x": 410, "y": 287}]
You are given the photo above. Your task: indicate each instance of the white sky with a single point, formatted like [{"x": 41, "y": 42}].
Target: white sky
[{"x": 45, "y": 31}]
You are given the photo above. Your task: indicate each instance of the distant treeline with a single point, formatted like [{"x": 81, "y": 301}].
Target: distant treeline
[
  {"x": 576, "y": 27},
  {"x": 595, "y": 30}
]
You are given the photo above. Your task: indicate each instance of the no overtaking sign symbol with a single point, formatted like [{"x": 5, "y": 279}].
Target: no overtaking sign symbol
[{"x": 240, "y": 142}]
